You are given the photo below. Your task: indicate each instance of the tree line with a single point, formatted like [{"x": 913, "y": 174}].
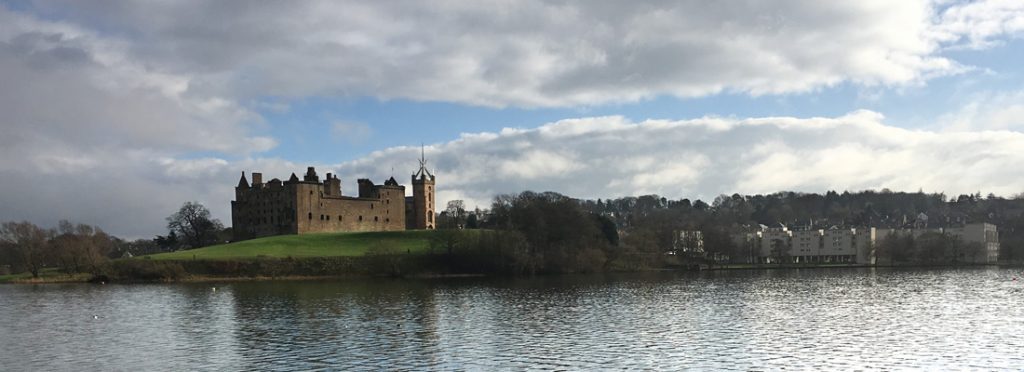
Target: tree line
[
  {"x": 526, "y": 233},
  {"x": 80, "y": 248},
  {"x": 649, "y": 225},
  {"x": 650, "y": 221},
  {"x": 531, "y": 232}
]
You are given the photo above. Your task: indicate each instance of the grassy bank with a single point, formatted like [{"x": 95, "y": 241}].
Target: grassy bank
[
  {"x": 398, "y": 253},
  {"x": 303, "y": 246},
  {"x": 45, "y": 276}
]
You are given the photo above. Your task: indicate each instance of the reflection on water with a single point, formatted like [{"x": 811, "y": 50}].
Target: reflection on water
[{"x": 795, "y": 319}]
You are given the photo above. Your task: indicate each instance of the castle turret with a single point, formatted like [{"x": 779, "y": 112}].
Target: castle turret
[
  {"x": 422, "y": 197},
  {"x": 242, "y": 182},
  {"x": 311, "y": 175},
  {"x": 366, "y": 189},
  {"x": 243, "y": 186},
  {"x": 332, "y": 185}
]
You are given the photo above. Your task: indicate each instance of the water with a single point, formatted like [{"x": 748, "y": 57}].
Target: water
[{"x": 800, "y": 319}]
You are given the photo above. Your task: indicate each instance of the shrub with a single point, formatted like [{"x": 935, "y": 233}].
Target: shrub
[{"x": 146, "y": 270}]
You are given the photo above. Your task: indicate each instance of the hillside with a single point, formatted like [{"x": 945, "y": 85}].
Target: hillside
[{"x": 309, "y": 245}]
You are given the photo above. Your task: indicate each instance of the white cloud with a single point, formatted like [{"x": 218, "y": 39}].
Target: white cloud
[
  {"x": 978, "y": 24},
  {"x": 987, "y": 111},
  {"x": 705, "y": 157}
]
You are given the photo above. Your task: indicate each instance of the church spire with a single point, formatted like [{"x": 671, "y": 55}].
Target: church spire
[{"x": 243, "y": 182}]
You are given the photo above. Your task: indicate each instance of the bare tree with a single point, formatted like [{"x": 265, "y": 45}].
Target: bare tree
[
  {"x": 193, "y": 224},
  {"x": 456, "y": 211},
  {"x": 80, "y": 248},
  {"x": 27, "y": 244}
]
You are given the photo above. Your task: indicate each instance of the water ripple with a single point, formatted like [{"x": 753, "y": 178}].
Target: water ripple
[{"x": 751, "y": 320}]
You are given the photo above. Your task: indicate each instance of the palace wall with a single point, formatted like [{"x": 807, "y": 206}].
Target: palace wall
[{"x": 311, "y": 206}]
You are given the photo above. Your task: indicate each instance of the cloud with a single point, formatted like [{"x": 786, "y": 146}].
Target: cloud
[
  {"x": 978, "y": 24},
  {"x": 130, "y": 193},
  {"x": 71, "y": 86},
  {"x": 92, "y": 134},
  {"x": 538, "y": 53},
  {"x": 352, "y": 133},
  {"x": 115, "y": 113},
  {"x": 606, "y": 157},
  {"x": 987, "y": 111}
]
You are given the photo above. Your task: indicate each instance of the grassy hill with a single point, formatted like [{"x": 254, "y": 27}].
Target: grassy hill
[{"x": 308, "y": 245}]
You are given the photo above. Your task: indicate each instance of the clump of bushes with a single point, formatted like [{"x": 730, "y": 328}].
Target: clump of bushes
[{"x": 145, "y": 271}]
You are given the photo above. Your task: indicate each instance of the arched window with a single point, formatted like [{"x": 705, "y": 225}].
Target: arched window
[
  {"x": 339, "y": 217},
  {"x": 387, "y": 220},
  {"x": 360, "y": 218},
  {"x": 375, "y": 219},
  {"x": 321, "y": 217},
  {"x": 430, "y": 217},
  {"x": 311, "y": 215},
  {"x": 328, "y": 217},
  {"x": 371, "y": 205}
]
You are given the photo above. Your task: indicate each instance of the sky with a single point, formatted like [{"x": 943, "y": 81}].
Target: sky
[{"x": 114, "y": 113}]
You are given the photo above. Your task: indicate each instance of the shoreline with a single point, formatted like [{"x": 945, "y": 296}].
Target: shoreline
[{"x": 200, "y": 278}]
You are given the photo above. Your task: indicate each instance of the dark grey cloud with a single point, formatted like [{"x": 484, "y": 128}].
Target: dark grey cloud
[{"x": 539, "y": 53}]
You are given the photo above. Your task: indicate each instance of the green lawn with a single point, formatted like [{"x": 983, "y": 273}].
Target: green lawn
[{"x": 308, "y": 245}]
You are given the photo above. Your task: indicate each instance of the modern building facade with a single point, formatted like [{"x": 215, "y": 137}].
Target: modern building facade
[
  {"x": 833, "y": 245},
  {"x": 856, "y": 245}
]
